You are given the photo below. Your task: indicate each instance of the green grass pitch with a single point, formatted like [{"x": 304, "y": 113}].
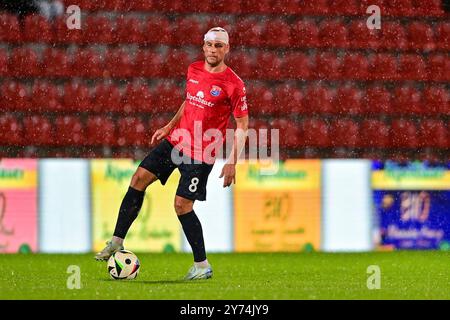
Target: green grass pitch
[{"x": 404, "y": 275}]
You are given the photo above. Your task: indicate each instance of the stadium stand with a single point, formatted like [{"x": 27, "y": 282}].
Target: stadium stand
[{"x": 312, "y": 69}]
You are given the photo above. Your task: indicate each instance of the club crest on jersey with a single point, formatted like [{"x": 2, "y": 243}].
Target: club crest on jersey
[{"x": 215, "y": 91}]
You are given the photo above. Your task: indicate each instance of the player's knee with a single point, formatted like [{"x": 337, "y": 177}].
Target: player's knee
[
  {"x": 139, "y": 181},
  {"x": 183, "y": 206}
]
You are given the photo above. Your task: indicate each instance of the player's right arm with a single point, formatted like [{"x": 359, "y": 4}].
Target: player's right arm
[{"x": 164, "y": 131}]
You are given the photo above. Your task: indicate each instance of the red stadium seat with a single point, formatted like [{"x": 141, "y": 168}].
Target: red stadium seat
[
  {"x": 383, "y": 66},
  {"x": 14, "y": 96},
  {"x": 436, "y": 100},
  {"x": 288, "y": 99},
  {"x": 23, "y": 63},
  {"x": 283, "y": 7},
  {"x": 269, "y": 66},
  {"x": 157, "y": 30},
  {"x": 354, "y": 66},
  {"x": 180, "y": 6},
  {"x": 304, "y": 33},
  {"x": 37, "y": 29},
  {"x": 249, "y": 32},
  {"x": 142, "y": 5},
  {"x": 45, "y": 97},
  {"x": 38, "y": 131},
  {"x": 90, "y": 5},
  {"x": 289, "y": 132},
  {"x": 221, "y": 21},
  {"x": 148, "y": 64},
  {"x": 412, "y": 67},
  {"x": 87, "y": 63},
  {"x": 76, "y": 97},
  {"x": 131, "y": 131},
  {"x": 296, "y": 65},
  {"x": 438, "y": 67},
  {"x": 106, "y": 97},
  {"x": 348, "y": 101},
  {"x": 256, "y": 6},
  {"x": 434, "y": 133},
  {"x": 100, "y": 131},
  {"x": 314, "y": 7},
  {"x": 359, "y": 36},
  {"x": 55, "y": 63},
  {"x": 188, "y": 30},
  {"x": 70, "y": 131},
  {"x": 378, "y": 101},
  {"x": 116, "y": 5},
  {"x": 318, "y": 99},
  {"x": 11, "y": 131},
  {"x": 399, "y": 8},
  {"x": 442, "y": 31},
  {"x": 260, "y": 99},
  {"x": 225, "y": 6},
  {"x": 315, "y": 133},
  {"x": 407, "y": 100},
  {"x": 128, "y": 30},
  {"x": 374, "y": 134},
  {"x": 98, "y": 29},
  {"x": 167, "y": 97},
  {"x": 242, "y": 63},
  {"x": 156, "y": 123},
  {"x": 3, "y": 63},
  {"x": 421, "y": 36},
  {"x": 428, "y": 8},
  {"x": 327, "y": 66},
  {"x": 118, "y": 64},
  {"x": 9, "y": 28},
  {"x": 393, "y": 36},
  {"x": 404, "y": 134},
  {"x": 177, "y": 62},
  {"x": 137, "y": 98},
  {"x": 344, "y": 133},
  {"x": 62, "y": 34},
  {"x": 333, "y": 34},
  {"x": 343, "y": 7},
  {"x": 276, "y": 33}
]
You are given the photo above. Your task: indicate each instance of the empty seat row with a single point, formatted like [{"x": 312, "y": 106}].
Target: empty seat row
[
  {"x": 43, "y": 96},
  {"x": 368, "y": 133},
  {"x": 311, "y": 132},
  {"x": 373, "y": 100},
  {"x": 247, "y": 31},
  {"x": 73, "y": 131},
  {"x": 25, "y": 62},
  {"x": 78, "y": 97},
  {"x": 290, "y": 7}
]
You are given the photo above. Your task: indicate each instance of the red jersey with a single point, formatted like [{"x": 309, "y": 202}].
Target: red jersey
[{"x": 210, "y": 100}]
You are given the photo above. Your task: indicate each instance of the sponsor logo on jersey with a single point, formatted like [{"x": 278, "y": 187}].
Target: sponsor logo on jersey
[
  {"x": 215, "y": 91},
  {"x": 193, "y": 81},
  {"x": 198, "y": 100}
]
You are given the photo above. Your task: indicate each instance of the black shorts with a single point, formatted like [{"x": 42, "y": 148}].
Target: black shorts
[{"x": 194, "y": 176}]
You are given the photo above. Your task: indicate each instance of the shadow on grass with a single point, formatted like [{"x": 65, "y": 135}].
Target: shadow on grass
[{"x": 154, "y": 282}]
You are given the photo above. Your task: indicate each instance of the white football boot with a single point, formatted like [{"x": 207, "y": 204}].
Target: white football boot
[{"x": 108, "y": 251}]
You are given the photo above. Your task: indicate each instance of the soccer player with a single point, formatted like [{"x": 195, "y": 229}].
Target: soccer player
[{"x": 213, "y": 93}]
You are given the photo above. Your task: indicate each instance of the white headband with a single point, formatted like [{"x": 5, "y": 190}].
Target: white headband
[{"x": 216, "y": 34}]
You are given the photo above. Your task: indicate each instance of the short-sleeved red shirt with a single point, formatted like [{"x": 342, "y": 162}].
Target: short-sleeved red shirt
[{"x": 210, "y": 100}]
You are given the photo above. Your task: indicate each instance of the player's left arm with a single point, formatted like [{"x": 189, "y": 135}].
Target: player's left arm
[
  {"x": 240, "y": 137},
  {"x": 239, "y": 106}
]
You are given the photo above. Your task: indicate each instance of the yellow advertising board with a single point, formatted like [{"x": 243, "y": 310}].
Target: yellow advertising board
[
  {"x": 278, "y": 211},
  {"x": 413, "y": 176},
  {"x": 156, "y": 228}
]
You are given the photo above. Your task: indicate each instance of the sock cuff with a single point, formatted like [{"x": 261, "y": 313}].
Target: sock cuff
[
  {"x": 187, "y": 216},
  {"x": 136, "y": 192}
]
